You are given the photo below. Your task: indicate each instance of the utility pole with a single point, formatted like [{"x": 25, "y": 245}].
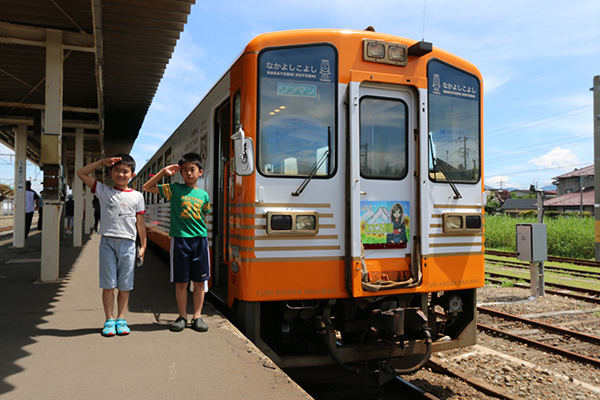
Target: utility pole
[{"x": 596, "y": 114}]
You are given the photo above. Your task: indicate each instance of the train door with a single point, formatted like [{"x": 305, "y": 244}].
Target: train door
[
  {"x": 386, "y": 120},
  {"x": 220, "y": 200}
]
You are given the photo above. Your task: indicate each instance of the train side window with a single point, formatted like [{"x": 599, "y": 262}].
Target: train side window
[
  {"x": 167, "y": 179},
  {"x": 159, "y": 167},
  {"x": 237, "y": 112},
  {"x": 383, "y": 138},
  {"x": 153, "y": 195}
]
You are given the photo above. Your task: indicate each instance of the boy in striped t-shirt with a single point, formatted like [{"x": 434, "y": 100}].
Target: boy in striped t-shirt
[{"x": 189, "y": 244}]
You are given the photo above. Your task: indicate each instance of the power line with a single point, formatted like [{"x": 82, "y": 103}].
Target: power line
[
  {"x": 580, "y": 165},
  {"x": 547, "y": 146},
  {"x": 491, "y": 133}
]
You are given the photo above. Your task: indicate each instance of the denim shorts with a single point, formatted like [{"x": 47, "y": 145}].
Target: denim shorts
[{"x": 117, "y": 263}]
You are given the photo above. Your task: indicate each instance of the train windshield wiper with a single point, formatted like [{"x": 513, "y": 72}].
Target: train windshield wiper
[
  {"x": 313, "y": 171},
  {"x": 439, "y": 165}
]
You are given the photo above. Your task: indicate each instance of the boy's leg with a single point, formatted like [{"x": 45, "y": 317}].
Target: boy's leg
[
  {"x": 108, "y": 302},
  {"x": 198, "y": 296},
  {"x": 181, "y": 296},
  {"x": 122, "y": 303}
]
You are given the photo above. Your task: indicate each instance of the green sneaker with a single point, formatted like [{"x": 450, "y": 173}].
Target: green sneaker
[
  {"x": 179, "y": 324},
  {"x": 199, "y": 325}
]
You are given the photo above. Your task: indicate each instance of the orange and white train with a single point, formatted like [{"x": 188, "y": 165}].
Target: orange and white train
[{"x": 345, "y": 175}]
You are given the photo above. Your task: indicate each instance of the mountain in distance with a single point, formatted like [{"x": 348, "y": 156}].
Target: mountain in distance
[{"x": 382, "y": 216}]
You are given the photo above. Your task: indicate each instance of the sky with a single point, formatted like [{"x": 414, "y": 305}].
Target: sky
[{"x": 538, "y": 59}]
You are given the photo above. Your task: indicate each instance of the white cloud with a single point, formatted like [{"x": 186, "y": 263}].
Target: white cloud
[{"x": 556, "y": 158}]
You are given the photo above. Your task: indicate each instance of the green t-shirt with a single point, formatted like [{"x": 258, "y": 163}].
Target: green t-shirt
[{"x": 187, "y": 207}]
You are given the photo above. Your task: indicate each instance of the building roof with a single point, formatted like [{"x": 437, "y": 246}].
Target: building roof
[
  {"x": 573, "y": 199},
  {"x": 585, "y": 171},
  {"x": 520, "y": 204},
  {"x": 115, "y": 54}
]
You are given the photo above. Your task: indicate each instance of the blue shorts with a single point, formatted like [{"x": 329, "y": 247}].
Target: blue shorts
[
  {"x": 190, "y": 260},
  {"x": 117, "y": 263}
]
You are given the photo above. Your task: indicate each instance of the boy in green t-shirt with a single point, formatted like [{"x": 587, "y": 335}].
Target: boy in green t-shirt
[{"x": 189, "y": 245}]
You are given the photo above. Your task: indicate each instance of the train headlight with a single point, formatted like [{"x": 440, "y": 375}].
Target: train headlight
[
  {"x": 385, "y": 52},
  {"x": 292, "y": 223},
  {"x": 375, "y": 50},
  {"x": 462, "y": 223},
  {"x": 397, "y": 53},
  {"x": 306, "y": 222}
]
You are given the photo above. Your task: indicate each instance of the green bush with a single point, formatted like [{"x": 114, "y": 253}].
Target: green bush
[
  {"x": 567, "y": 237},
  {"x": 528, "y": 214}
]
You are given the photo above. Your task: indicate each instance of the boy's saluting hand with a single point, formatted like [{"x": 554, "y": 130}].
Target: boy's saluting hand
[{"x": 172, "y": 169}]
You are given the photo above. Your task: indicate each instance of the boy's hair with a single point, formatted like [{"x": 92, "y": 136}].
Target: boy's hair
[
  {"x": 191, "y": 157},
  {"x": 126, "y": 159}
]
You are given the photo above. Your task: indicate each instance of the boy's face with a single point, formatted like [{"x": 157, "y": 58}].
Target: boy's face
[
  {"x": 190, "y": 173},
  {"x": 121, "y": 174}
]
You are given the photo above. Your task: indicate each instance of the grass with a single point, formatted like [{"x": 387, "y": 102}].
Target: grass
[{"x": 567, "y": 237}]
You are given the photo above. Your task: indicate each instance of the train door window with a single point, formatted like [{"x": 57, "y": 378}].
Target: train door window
[
  {"x": 297, "y": 111},
  {"x": 454, "y": 124},
  {"x": 383, "y": 138}
]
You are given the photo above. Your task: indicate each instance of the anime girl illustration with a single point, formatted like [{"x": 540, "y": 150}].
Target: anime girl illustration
[{"x": 397, "y": 219}]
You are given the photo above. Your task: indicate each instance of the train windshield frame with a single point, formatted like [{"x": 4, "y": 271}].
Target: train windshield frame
[
  {"x": 297, "y": 113},
  {"x": 454, "y": 124}
]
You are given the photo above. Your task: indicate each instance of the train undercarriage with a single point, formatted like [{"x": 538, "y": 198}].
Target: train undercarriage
[{"x": 394, "y": 334}]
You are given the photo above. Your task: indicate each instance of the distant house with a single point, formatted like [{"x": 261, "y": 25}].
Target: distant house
[
  {"x": 515, "y": 206},
  {"x": 575, "y": 192}
]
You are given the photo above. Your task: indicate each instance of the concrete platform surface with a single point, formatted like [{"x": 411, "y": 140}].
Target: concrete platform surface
[{"x": 51, "y": 347}]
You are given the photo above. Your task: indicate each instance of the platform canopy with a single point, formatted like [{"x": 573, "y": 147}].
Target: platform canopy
[{"x": 115, "y": 54}]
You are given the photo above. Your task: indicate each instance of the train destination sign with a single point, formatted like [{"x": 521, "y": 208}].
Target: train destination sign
[
  {"x": 291, "y": 89},
  {"x": 447, "y": 81},
  {"x": 315, "y": 63}
]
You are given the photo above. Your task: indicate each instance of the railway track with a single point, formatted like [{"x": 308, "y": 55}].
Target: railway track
[
  {"x": 576, "y": 261},
  {"x": 591, "y": 296},
  {"x": 549, "y": 268},
  {"x": 586, "y": 294},
  {"x": 571, "y": 344}
]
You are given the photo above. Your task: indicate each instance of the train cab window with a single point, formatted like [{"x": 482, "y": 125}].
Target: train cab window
[
  {"x": 383, "y": 138},
  {"x": 454, "y": 124},
  {"x": 297, "y": 111}
]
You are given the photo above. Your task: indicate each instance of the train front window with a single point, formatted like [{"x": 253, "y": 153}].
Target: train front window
[
  {"x": 297, "y": 111},
  {"x": 454, "y": 125}
]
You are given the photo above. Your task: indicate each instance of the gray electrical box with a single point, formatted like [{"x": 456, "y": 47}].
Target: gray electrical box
[{"x": 532, "y": 242}]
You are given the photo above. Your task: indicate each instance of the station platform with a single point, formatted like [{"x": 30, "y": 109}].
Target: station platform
[{"x": 51, "y": 347}]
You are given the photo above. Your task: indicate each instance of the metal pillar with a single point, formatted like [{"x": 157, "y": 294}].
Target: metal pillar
[
  {"x": 89, "y": 211},
  {"x": 20, "y": 177},
  {"x": 596, "y": 114},
  {"x": 536, "y": 274},
  {"x": 51, "y": 157},
  {"x": 78, "y": 190}
]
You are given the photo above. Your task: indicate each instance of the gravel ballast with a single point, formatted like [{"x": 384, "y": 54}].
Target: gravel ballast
[{"x": 516, "y": 368}]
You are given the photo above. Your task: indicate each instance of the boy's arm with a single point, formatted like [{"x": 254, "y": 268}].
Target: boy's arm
[
  {"x": 84, "y": 173},
  {"x": 141, "y": 228},
  {"x": 152, "y": 185}
]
